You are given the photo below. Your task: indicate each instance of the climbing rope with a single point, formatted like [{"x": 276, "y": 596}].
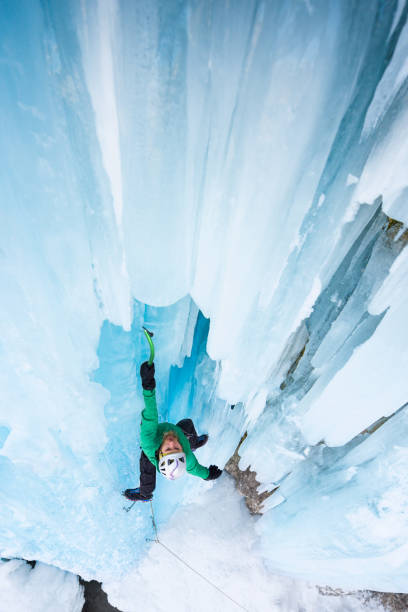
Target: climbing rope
[
  {"x": 148, "y": 334},
  {"x": 189, "y": 566},
  {"x": 154, "y": 522}
]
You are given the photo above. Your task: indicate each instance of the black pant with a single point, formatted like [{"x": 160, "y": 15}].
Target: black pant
[{"x": 148, "y": 470}]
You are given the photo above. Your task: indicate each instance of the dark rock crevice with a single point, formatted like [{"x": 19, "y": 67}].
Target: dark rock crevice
[{"x": 96, "y": 599}]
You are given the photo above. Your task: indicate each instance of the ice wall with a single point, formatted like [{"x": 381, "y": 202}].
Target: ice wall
[
  {"x": 244, "y": 159},
  {"x": 344, "y": 518}
]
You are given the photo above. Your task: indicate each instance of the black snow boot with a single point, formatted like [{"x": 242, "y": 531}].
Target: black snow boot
[{"x": 134, "y": 495}]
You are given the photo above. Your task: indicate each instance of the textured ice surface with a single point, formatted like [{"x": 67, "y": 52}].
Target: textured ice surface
[
  {"x": 39, "y": 589},
  {"x": 354, "y": 500},
  {"x": 165, "y": 158}
]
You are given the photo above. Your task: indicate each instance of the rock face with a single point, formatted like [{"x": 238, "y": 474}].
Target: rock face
[
  {"x": 396, "y": 602},
  {"x": 392, "y": 602},
  {"x": 96, "y": 599},
  {"x": 246, "y": 482}
]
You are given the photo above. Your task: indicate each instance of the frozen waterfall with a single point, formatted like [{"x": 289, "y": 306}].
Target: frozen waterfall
[{"x": 233, "y": 175}]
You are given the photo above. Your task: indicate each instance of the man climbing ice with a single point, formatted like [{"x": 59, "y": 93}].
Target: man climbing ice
[{"x": 166, "y": 448}]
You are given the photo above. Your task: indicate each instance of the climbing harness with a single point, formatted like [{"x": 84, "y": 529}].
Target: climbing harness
[{"x": 157, "y": 541}]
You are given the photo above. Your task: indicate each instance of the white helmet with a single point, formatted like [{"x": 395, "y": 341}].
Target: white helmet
[{"x": 172, "y": 465}]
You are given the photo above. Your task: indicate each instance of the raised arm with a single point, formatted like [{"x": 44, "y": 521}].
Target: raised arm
[{"x": 148, "y": 430}]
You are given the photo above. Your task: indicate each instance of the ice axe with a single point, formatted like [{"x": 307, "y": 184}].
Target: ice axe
[{"x": 149, "y": 336}]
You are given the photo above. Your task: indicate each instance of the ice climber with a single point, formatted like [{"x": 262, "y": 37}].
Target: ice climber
[{"x": 166, "y": 448}]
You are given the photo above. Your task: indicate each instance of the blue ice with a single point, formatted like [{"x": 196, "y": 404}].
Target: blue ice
[{"x": 232, "y": 176}]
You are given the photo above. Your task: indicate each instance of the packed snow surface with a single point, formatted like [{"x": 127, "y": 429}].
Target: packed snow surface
[
  {"x": 207, "y": 558},
  {"x": 233, "y": 176},
  {"x": 218, "y": 540},
  {"x": 39, "y": 589}
]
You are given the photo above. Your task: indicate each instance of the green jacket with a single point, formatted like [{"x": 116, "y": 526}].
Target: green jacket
[{"x": 151, "y": 437}]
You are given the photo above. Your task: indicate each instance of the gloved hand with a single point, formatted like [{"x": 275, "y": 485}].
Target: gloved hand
[
  {"x": 147, "y": 375},
  {"x": 215, "y": 472}
]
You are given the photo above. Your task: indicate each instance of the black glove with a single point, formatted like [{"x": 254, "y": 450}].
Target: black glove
[
  {"x": 147, "y": 375},
  {"x": 215, "y": 472}
]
